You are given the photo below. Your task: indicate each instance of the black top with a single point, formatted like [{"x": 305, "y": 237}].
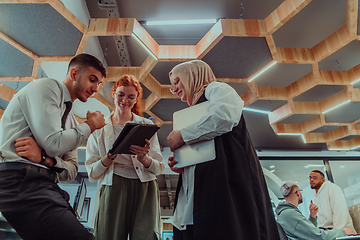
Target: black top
[{"x": 231, "y": 200}]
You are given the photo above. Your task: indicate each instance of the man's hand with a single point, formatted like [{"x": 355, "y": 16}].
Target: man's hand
[
  {"x": 95, "y": 120},
  {"x": 28, "y": 148},
  {"x": 171, "y": 163},
  {"x": 175, "y": 140},
  {"x": 313, "y": 209}
]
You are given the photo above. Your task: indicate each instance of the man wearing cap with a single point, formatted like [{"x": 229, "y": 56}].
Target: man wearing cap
[
  {"x": 295, "y": 224},
  {"x": 333, "y": 211}
]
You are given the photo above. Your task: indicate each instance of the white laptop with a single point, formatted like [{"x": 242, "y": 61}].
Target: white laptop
[
  {"x": 196, "y": 153},
  {"x": 357, "y": 236}
]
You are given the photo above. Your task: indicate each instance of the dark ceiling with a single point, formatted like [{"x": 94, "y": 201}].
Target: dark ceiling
[{"x": 237, "y": 57}]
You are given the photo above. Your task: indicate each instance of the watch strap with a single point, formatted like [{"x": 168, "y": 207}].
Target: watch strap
[
  {"x": 43, "y": 156},
  {"x": 110, "y": 157}
]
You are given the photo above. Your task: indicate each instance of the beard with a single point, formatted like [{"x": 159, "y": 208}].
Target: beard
[
  {"x": 80, "y": 89},
  {"x": 316, "y": 186}
]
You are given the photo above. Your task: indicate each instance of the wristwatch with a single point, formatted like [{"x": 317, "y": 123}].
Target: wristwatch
[
  {"x": 43, "y": 156},
  {"x": 111, "y": 158}
]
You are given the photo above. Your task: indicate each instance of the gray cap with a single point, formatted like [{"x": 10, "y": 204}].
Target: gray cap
[{"x": 287, "y": 187}]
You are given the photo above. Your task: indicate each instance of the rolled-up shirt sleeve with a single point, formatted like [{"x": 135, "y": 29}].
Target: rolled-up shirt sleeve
[
  {"x": 93, "y": 163},
  {"x": 43, "y": 112},
  {"x": 70, "y": 165},
  {"x": 157, "y": 164},
  {"x": 224, "y": 113}
]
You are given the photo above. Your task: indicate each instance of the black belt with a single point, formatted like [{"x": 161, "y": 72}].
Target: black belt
[{"x": 19, "y": 165}]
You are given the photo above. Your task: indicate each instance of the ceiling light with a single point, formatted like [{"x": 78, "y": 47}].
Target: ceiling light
[
  {"x": 355, "y": 81},
  {"x": 256, "y": 110},
  {"x": 272, "y": 170},
  {"x": 290, "y": 134},
  {"x": 339, "y": 149},
  {"x": 342, "y": 166},
  {"x": 302, "y": 135},
  {"x": 293, "y": 134},
  {"x": 144, "y": 46},
  {"x": 336, "y": 106},
  {"x": 272, "y": 166},
  {"x": 314, "y": 165},
  {"x": 181, "y": 22},
  {"x": 258, "y": 74}
]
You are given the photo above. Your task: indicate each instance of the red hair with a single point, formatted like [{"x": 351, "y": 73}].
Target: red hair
[{"x": 130, "y": 80}]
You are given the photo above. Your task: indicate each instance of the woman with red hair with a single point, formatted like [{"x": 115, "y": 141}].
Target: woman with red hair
[{"x": 129, "y": 194}]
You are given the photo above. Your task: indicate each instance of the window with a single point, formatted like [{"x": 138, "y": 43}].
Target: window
[{"x": 346, "y": 175}]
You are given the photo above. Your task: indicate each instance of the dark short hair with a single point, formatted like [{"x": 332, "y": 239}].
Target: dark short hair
[
  {"x": 86, "y": 60},
  {"x": 317, "y": 171}
]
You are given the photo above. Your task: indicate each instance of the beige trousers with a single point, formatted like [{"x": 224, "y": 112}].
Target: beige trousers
[{"x": 128, "y": 208}]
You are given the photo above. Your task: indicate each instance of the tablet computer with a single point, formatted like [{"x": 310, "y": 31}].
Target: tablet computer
[{"x": 133, "y": 134}]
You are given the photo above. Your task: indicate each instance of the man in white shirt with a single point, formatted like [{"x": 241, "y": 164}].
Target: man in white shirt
[
  {"x": 333, "y": 212},
  {"x": 295, "y": 224},
  {"x": 38, "y": 140}
]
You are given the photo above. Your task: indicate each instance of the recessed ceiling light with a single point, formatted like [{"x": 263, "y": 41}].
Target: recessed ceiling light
[
  {"x": 289, "y": 134},
  {"x": 355, "y": 81},
  {"x": 336, "y": 106},
  {"x": 181, "y": 22},
  {"x": 314, "y": 165},
  {"x": 258, "y": 74},
  {"x": 256, "y": 110},
  {"x": 143, "y": 45},
  {"x": 339, "y": 149},
  {"x": 302, "y": 135}
]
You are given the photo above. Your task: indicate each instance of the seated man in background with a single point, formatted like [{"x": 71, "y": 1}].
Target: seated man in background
[
  {"x": 333, "y": 211},
  {"x": 295, "y": 224}
]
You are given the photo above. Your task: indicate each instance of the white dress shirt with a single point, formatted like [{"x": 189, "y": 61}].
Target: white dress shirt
[
  {"x": 102, "y": 140},
  {"x": 36, "y": 111},
  {"x": 333, "y": 211}
]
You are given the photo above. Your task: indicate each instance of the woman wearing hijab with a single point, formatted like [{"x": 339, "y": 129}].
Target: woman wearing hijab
[
  {"x": 129, "y": 194},
  {"x": 225, "y": 198}
]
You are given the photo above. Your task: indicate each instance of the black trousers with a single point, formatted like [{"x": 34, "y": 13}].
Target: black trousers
[
  {"x": 36, "y": 207},
  {"x": 187, "y": 234}
]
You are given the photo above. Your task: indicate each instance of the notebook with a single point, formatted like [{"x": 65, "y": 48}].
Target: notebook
[{"x": 196, "y": 153}]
